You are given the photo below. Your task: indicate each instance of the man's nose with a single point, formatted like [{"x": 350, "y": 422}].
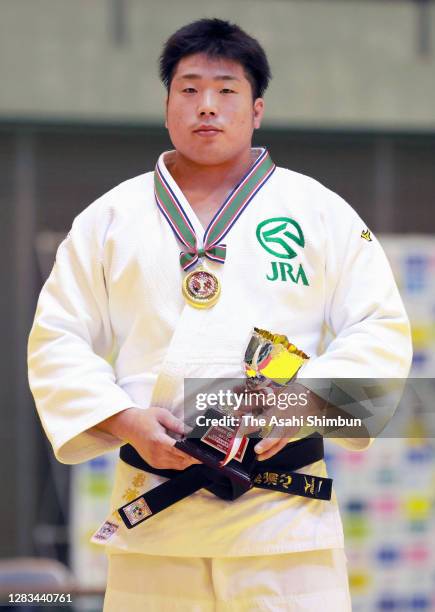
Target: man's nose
[{"x": 208, "y": 105}]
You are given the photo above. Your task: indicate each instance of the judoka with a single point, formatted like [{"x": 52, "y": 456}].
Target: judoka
[{"x": 272, "y": 249}]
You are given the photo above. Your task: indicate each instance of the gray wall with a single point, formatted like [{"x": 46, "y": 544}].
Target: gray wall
[{"x": 335, "y": 62}]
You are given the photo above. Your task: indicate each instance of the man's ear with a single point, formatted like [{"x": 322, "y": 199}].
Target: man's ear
[
  {"x": 258, "y": 112},
  {"x": 166, "y": 111}
]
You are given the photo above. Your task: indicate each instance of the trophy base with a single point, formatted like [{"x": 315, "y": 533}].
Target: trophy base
[{"x": 209, "y": 444}]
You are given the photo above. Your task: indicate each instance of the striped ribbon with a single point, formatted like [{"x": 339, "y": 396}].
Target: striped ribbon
[{"x": 222, "y": 222}]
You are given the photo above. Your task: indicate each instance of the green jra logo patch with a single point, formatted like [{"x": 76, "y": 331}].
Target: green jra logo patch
[
  {"x": 282, "y": 237},
  {"x": 285, "y": 272}
]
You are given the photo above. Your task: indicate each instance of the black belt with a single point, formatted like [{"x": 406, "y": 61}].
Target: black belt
[{"x": 230, "y": 482}]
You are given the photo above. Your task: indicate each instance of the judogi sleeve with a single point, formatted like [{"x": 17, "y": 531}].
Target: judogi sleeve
[
  {"x": 364, "y": 312},
  {"x": 72, "y": 382}
]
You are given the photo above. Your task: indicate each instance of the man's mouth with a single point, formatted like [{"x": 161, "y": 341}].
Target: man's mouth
[{"x": 207, "y": 130}]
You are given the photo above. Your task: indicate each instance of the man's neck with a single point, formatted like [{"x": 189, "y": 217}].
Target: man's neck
[{"x": 193, "y": 178}]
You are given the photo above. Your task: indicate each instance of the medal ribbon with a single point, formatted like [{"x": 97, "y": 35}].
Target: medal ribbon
[{"x": 171, "y": 208}]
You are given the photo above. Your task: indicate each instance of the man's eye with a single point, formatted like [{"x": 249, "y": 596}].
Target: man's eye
[
  {"x": 189, "y": 90},
  {"x": 227, "y": 90}
]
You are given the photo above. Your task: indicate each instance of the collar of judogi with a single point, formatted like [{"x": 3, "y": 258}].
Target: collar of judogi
[{"x": 224, "y": 219}]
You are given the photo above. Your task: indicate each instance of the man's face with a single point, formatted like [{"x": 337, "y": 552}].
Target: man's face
[{"x": 210, "y": 112}]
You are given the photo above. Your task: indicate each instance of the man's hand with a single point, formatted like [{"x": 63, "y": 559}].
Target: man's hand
[
  {"x": 269, "y": 447},
  {"x": 146, "y": 431},
  {"x": 272, "y": 444}
]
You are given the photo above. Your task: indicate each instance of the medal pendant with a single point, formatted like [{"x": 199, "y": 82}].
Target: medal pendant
[{"x": 201, "y": 288}]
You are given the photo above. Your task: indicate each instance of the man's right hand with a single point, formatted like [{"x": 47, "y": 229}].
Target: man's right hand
[{"x": 146, "y": 431}]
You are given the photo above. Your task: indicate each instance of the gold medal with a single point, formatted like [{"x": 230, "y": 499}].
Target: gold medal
[{"x": 201, "y": 288}]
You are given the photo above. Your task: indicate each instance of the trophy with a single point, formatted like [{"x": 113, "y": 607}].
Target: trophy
[{"x": 270, "y": 362}]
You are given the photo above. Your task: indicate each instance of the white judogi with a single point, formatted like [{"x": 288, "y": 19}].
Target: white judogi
[
  {"x": 294, "y": 582},
  {"x": 115, "y": 290}
]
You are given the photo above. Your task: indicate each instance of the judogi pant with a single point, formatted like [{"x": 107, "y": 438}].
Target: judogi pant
[{"x": 302, "y": 581}]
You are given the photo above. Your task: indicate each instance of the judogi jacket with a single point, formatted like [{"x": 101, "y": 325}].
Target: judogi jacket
[{"x": 112, "y": 330}]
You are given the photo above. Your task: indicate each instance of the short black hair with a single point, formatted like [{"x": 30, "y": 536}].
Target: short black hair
[{"x": 217, "y": 38}]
